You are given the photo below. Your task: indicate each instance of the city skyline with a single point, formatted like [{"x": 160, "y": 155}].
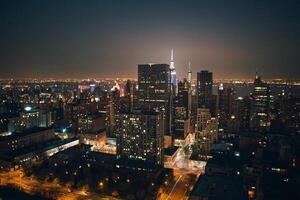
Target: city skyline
[
  {"x": 157, "y": 99},
  {"x": 110, "y": 38}
]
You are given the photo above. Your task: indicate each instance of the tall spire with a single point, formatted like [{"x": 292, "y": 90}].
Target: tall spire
[
  {"x": 172, "y": 60},
  {"x": 190, "y": 91},
  {"x": 190, "y": 73},
  {"x": 172, "y": 68}
]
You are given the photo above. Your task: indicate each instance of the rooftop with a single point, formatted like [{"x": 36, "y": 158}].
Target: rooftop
[
  {"x": 219, "y": 187},
  {"x": 221, "y": 147},
  {"x": 24, "y": 133},
  {"x": 141, "y": 112},
  {"x": 37, "y": 148},
  {"x": 170, "y": 151}
]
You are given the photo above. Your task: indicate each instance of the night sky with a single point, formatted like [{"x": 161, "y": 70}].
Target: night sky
[{"x": 109, "y": 38}]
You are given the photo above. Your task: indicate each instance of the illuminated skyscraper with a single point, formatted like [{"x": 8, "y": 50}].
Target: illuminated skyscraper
[
  {"x": 260, "y": 106},
  {"x": 154, "y": 91},
  {"x": 173, "y": 72},
  {"x": 140, "y": 136},
  {"x": 181, "y": 114},
  {"x": 206, "y": 130},
  {"x": 112, "y": 108}
]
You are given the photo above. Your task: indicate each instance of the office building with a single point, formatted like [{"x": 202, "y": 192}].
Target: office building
[
  {"x": 203, "y": 115},
  {"x": 225, "y": 103},
  {"x": 207, "y": 131},
  {"x": 204, "y": 90},
  {"x": 25, "y": 138},
  {"x": 91, "y": 123},
  {"x": 127, "y": 103},
  {"x": 140, "y": 136},
  {"x": 241, "y": 112},
  {"x": 154, "y": 91},
  {"x": 112, "y": 109},
  {"x": 260, "y": 106},
  {"x": 181, "y": 124},
  {"x": 207, "y": 137},
  {"x": 30, "y": 118},
  {"x": 182, "y": 99}
]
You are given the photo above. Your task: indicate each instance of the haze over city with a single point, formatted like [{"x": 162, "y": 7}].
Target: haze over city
[
  {"x": 149, "y": 100},
  {"x": 79, "y": 39}
]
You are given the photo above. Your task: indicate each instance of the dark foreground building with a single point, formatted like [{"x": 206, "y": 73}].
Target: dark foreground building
[{"x": 216, "y": 187}]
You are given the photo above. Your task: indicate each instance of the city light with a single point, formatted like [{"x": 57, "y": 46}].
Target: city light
[
  {"x": 110, "y": 100},
  {"x": 28, "y": 108}
]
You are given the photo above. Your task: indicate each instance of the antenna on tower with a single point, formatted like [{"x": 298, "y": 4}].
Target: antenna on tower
[
  {"x": 189, "y": 66},
  {"x": 172, "y": 55}
]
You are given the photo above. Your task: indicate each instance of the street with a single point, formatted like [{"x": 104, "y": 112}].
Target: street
[
  {"x": 53, "y": 190},
  {"x": 180, "y": 185}
]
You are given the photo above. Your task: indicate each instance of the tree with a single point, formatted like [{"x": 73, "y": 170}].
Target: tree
[{"x": 186, "y": 150}]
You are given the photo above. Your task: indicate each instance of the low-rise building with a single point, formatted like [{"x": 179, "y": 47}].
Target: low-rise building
[{"x": 212, "y": 187}]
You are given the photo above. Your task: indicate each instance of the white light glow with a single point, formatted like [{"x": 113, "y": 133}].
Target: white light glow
[{"x": 28, "y": 108}]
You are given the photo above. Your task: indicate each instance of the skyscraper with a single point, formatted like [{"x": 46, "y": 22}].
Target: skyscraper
[
  {"x": 181, "y": 114},
  {"x": 173, "y": 72},
  {"x": 206, "y": 130},
  {"x": 225, "y": 103},
  {"x": 140, "y": 136},
  {"x": 260, "y": 106},
  {"x": 190, "y": 74},
  {"x": 173, "y": 83},
  {"x": 112, "y": 108},
  {"x": 190, "y": 91},
  {"x": 241, "y": 111},
  {"x": 183, "y": 95},
  {"x": 204, "y": 89},
  {"x": 128, "y": 96},
  {"x": 154, "y": 91}
]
